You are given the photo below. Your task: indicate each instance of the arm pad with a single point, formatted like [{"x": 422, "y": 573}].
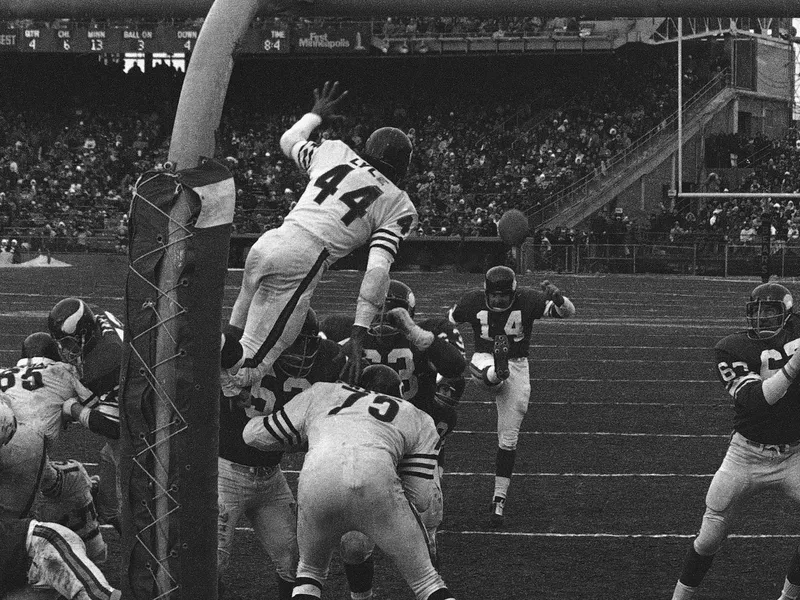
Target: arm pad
[
  {"x": 775, "y": 387},
  {"x": 372, "y": 294},
  {"x": 299, "y": 132}
]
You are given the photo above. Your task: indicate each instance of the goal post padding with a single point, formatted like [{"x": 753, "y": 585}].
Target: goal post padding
[{"x": 180, "y": 263}]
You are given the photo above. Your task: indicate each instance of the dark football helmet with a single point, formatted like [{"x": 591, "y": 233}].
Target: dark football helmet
[
  {"x": 768, "y": 310},
  {"x": 72, "y": 324},
  {"x": 297, "y": 359},
  {"x": 391, "y": 149},
  {"x": 500, "y": 288},
  {"x": 382, "y": 379},
  {"x": 449, "y": 391},
  {"x": 40, "y": 344},
  {"x": 398, "y": 296}
]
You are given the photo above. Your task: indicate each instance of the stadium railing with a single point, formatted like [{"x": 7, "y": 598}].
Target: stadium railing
[{"x": 578, "y": 191}]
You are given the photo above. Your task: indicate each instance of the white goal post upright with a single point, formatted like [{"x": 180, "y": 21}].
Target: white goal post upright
[{"x": 170, "y": 400}]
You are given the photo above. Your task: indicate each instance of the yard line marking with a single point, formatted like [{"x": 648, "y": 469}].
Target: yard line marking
[
  {"x": 605, "y": 434},
  {"x": 651, "y": 536},
  {"x": 659, "y": 381},
  {"x": 597, "y": 475},
  {"x": 543, "y": 534},
  {"x": 588, "y": 403}
]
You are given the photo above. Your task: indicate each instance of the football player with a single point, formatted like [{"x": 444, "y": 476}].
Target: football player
[
  {"x": 369, "y": 467},
  {"x": 94, "y": 344},
  {"x": 420, "y": 354},
  {"x": 250, "y": 481},
  {"x": 502, "y": 316},
  {"x": 42, "y": 553},
  {"x": 41, "y": 385},
  {"x": 47, "y": 555},
  {"x": 759, "y": 369},
  {"x": 349, "y": 201}
]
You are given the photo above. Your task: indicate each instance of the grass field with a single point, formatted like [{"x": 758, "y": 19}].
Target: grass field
[{"x": 627, "y": 424}]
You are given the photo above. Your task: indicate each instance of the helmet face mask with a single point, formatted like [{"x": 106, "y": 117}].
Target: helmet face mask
[
  {"x": 768, "y": 310},
  {"x": 500, "y": 288},
  {"x": 298, "y": 359},
  {"x": 398, "y": 296},
  {"x": 449, "y": 391},
  {"x": 72, "y": 323}
]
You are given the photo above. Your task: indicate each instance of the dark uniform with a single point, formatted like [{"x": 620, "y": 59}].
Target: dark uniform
[
  {"x": 512, "y": 394},
  {"x": 516, "y": 321},
  {"x": 251, "y": 481},
  {"x": 742, "y": 363}
]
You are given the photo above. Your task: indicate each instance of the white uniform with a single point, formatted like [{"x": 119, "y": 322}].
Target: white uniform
[
  {"x": 346, "y": 204},
  {"x": 370, "y": 458},
  {"x": 37, "y": 388}
]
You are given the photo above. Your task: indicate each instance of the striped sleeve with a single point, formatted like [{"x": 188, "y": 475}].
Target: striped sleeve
[
  {"x": 386, "y": 240},
  {"x": 417, "y": 465},
  {"x": 304, "y": 154},
  {"x": 740, "y": 383},
  {"x": 273, "y": 432}
]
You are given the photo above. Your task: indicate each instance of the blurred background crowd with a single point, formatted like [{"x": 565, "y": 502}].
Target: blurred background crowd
[{"x": 76, "y": 133}]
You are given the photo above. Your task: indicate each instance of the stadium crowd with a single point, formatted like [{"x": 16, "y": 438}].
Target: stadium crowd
[{"x": 68, "y": 161}]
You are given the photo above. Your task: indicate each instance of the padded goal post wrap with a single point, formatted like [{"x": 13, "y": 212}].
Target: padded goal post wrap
[{"x": 170, "y": 518}]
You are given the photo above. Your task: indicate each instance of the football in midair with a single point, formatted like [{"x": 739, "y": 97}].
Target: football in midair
[{"x": 513, "y": 227}]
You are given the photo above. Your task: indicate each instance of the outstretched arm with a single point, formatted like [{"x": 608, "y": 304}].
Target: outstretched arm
[{"x": 325, "y": 105}]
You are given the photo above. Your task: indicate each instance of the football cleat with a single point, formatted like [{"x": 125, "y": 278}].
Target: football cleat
[
  {"x": 496, "y": 517},
  {"x": 501, "y": 357}
]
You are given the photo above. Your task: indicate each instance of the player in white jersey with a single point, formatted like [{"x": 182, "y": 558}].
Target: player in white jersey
[
  {"x": 40, "y": 384},
  {"x": 369, "y": 468},
  {"x": 350, "y": 200}
]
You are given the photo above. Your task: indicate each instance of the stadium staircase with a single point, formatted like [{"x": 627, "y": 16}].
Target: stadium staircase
[{"x": 575, "y": 203}]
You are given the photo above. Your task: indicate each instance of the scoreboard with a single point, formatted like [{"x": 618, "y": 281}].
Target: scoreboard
[
  {"x": 131, "y": 38},
  {"x": 264, "y": 38}
]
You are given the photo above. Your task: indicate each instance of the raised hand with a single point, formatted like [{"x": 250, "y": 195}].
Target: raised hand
[{"x": 327, "y": 101}]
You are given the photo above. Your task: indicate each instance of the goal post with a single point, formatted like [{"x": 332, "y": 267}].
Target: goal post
[{"x": 180, "y": 225}]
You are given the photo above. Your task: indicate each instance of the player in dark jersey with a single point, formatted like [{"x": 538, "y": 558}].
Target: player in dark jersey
[
  {"x": 502, "y": 316},
  {"x": 758, "y": 368},
  {"x": 250, "y": 481},
  {"x": 420, "y": 353},
  {"x": 94, "y": 344}
]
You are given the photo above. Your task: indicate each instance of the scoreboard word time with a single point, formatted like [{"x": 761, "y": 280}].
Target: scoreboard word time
[{"x": 169, "y": 38}]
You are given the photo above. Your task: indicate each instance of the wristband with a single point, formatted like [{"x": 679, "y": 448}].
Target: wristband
[{"x": 66, "y": 408}]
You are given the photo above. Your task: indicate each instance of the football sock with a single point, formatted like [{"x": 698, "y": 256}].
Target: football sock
[
  {"x": 790, "y": 591},
  {"x": 284, "y": 588},
  {"x": 504, "y": 467},
  {"x": 441, "y": 594},
  {"x": 695, "y": 568},
  {"x": 793, "y": 574},
  {"x": 359, "y": 579},
  {"x": 683, "y": 592},
  {"x": 791, "y": 585}
]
